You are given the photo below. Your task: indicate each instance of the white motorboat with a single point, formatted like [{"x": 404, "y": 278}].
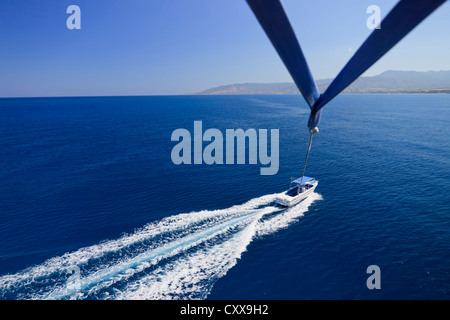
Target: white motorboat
[{"x": 300, "y": 189}]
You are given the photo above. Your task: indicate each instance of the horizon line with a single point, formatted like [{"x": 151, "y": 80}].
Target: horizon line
[{"x": 217, "y": 86}]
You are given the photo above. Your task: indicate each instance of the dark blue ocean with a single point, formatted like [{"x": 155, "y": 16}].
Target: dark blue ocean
[{"x": 92, "y": 206}]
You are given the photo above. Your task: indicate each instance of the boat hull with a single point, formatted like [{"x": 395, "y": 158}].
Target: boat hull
[{"x": 288, "y": 201}]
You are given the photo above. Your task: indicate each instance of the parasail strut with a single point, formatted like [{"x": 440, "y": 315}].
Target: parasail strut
[{"x": 403, "y": 18}]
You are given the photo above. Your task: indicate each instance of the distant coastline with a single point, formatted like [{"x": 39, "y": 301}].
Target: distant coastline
[
  {"x": 388, "y": 82},
  {"x": 391, "y": 82}
]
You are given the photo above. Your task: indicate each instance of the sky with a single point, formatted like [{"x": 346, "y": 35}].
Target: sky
[{"x": 164, "y": 47}]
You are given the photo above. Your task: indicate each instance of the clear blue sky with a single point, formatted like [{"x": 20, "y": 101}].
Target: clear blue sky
[{"x": 181, "y": 46}]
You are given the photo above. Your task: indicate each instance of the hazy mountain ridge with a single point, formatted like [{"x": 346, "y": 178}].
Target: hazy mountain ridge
[{"x": 390, "y": 81}]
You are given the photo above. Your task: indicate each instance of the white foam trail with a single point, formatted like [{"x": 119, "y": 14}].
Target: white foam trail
[
  {"x": 169, "y": 224},
  {"x": 288, "y": 217},
  {"x": 144, "y": 260},
  {"x": 203, "y": 246},
  {"x": 190, "y": 277}
]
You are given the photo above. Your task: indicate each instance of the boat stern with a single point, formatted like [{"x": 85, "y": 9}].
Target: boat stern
[{"x": 283, "y": 200}]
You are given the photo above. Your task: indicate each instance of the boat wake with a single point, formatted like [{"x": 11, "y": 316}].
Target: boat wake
[{"x": 178, "y": 257}]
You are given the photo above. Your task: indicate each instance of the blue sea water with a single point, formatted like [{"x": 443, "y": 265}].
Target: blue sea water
[{"x": 92, "y": 207}]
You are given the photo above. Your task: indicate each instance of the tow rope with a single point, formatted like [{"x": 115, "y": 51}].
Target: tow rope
[{"x": 311, "y": 134}]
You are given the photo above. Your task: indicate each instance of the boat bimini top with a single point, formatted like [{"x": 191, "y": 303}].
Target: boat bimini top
[{"x": 303, "y": 180}]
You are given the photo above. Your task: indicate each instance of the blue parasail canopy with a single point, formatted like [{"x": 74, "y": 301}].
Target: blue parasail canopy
[
  {"x": 303, "y": 179},
  {"x": 403, "y": 18}
]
